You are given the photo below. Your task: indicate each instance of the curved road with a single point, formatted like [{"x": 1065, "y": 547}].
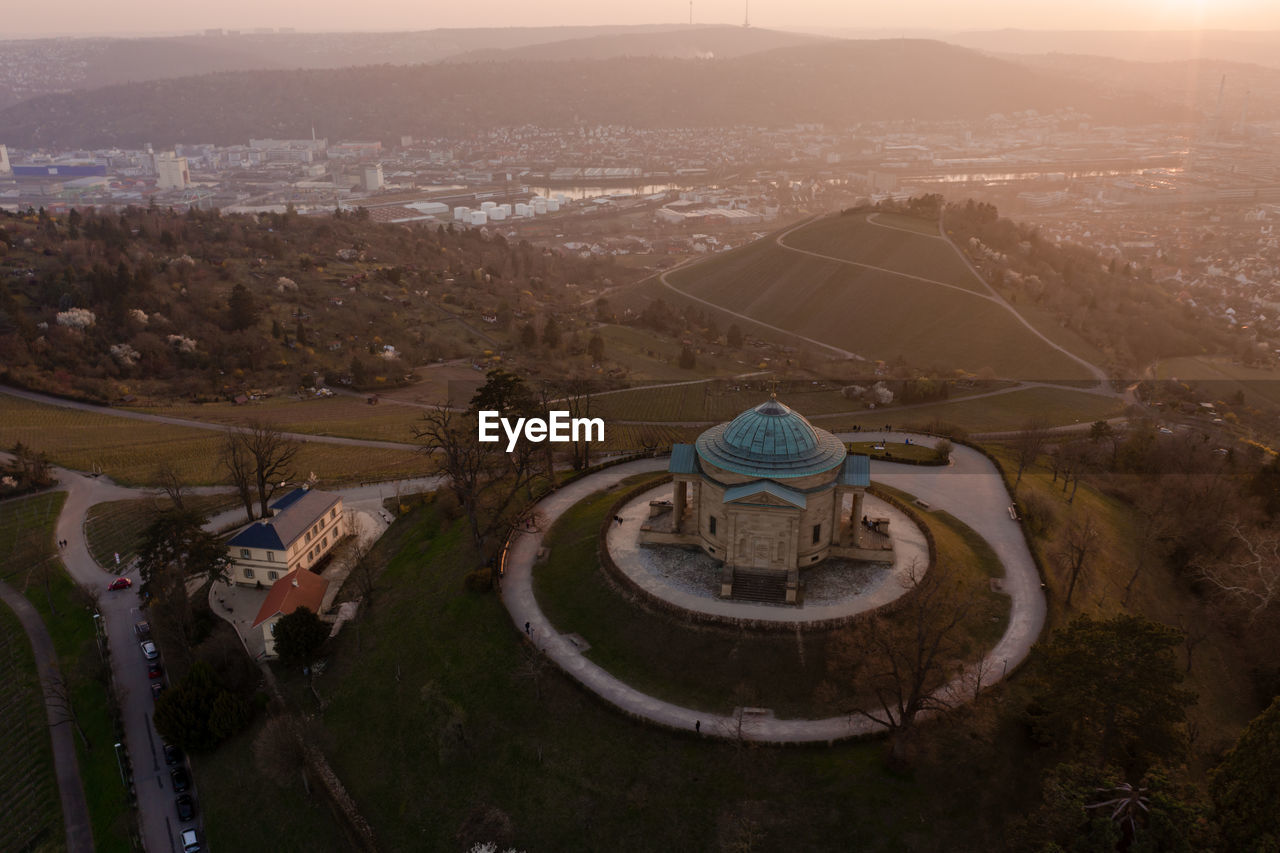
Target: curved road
[{"x": 970, "y": 489}]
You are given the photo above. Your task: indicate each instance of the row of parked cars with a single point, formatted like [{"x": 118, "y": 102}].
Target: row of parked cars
[{"x": 179, "y": 775}]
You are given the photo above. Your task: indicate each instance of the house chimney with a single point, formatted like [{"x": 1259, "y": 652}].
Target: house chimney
[{"x": 295, "y": 581}]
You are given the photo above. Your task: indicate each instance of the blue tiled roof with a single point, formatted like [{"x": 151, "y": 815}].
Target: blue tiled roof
[
  {"x": 746, "y": 490},
  {"x": 683, "y": 459},
  {"x": 289, "y": 499},
  {"x": 258, "y": 535},
  {"x": 771, "y": 441},
  {"x": 856, "y": 471}
]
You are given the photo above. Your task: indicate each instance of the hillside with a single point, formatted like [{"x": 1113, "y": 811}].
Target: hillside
[
  {"x": 919, "y": 303},
  {"x": 45, "y": 66},
  {"x": 684, "y": 43},
  {"x": 837, "y": 83},
  {"x": 1259, "y": 46}
]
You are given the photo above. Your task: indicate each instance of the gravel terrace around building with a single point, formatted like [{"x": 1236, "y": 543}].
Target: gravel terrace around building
[{"x": 834, "y": 589}]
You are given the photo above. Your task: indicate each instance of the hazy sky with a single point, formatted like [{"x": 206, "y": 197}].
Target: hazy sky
[{"x": 78, "y": 17}]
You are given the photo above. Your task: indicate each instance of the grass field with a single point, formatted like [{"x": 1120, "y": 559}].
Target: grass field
[
  {"x": 998, "y": 413},
  {"x": 67, "y": 611},
  {"x": 28, "y": 787},
  {"x": 1220, "y": 379},
  {"x": 894, "y": 450},
  {"x": 1227, "y": 700},
  {"x": 348, "y": 417},
  {"x": 129, "y": 451},
  {"x": 876, "y": 314},
  {"x": 454, "y": 720},
  {"x": 116, "y": 527},
  {"x": 928, "y": 227},
  {"x": 712, "y": 669}
]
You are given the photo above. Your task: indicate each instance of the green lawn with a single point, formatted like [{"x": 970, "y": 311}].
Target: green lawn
[
  {"x": 717, "y": 669},
  {"x": 876, "y": 314},
  {"x": 1220, "y": 379},
  {"x": 894, "y": 451},
  {"x": 434, "y": 720},
  {"x": 67, "y": 611},
  {"x": 232, "y": 789},
  {"x": 28, "y": 786},
  {"x": 116, "y": 527}
]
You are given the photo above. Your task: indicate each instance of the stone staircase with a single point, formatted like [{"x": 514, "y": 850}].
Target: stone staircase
[{"x": 766, "y": 585}]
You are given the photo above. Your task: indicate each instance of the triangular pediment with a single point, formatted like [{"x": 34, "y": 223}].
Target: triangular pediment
[{"x": 764, "y": 494}]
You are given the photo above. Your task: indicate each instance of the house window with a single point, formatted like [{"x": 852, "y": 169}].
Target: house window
[
  {"x": 308, "y": 535},
  {"x": 711, "y": 526},
  {"x": 333, "y": 513},
  {"x": 271, "y": 576},
  {"x": 817, "y": 533},
  {"x": 325, "y": 542},
  {"x": 271, "y": 556},
  {"x": 245, "y": 553},
  {"x": 248, "y": 573}
]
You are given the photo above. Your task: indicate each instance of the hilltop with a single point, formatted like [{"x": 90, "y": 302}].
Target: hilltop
[
  {"x": 838, "y": 83},
  {"x": 694, "y": 42}
]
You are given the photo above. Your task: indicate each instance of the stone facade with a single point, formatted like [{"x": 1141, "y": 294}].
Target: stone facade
[{"x": 768, "y": 492}]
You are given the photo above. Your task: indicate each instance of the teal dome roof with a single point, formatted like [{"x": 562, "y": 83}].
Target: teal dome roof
[{"x": 771, "y": 441}]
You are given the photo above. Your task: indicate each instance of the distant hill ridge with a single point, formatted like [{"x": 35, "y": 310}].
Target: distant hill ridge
[{"x": 839, "y": 83}]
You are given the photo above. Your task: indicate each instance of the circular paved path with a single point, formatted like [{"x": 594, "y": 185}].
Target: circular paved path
[{"x": 970, "y": 488}]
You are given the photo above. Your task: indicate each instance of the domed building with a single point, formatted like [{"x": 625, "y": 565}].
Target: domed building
[{"x": 768, "y": 494}]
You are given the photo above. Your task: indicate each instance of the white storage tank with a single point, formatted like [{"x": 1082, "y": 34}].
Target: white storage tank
[
  {"x": 553, "y": 205},
  {"x": 488, "y": 205},
  {"x": 498, "y": 214},
  {"x": 462, "y": 214},
  {"x": 479, "y": 217},
  {"x": 523, "y": 210},
  {"x": 540, "y": 207}
]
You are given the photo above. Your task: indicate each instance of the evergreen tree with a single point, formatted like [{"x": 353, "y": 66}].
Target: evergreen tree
[
  {"x": 595, "y": 347},
  {"x": 735, "y": 337},
  {"x": 551, "y": 333},
  {"x": 688, "y": 360},
  {"x": 243, "y": 308},
  {"x": 299, "y": 635}
]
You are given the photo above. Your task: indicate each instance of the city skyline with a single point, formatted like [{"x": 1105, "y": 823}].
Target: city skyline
[{"x": 133, "y": 17}]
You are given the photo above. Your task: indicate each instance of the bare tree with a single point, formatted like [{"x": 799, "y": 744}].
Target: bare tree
[
  {"x": 360, "y": 568},
  {"x": 1027, "y": 443},
  {"x": 909, "y": 653},
  {"x": 1249, "y": 571},
  {"x": 484, "y": 478},
  {"x": 57, "y": 696},
  {"x": 1079, "y": 544},
  {"x": 167, "y": 476},
  {"x": 236, "y": 461},
  {"x": 273, "y": 457},
  {"x": 279, "y": 752}
]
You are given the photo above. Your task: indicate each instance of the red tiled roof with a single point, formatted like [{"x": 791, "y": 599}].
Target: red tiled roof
[{"x": 299, "y": 588}]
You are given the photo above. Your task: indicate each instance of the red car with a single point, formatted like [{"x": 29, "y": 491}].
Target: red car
[{"x": 120, "y": 583}]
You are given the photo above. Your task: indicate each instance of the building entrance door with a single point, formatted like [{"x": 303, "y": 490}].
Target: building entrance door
[{"x": 761, "y": 552}]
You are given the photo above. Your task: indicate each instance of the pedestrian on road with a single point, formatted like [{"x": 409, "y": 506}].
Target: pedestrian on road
[
  {"x": 526, "y": 628},
  {"x": 697, "y": 726}
]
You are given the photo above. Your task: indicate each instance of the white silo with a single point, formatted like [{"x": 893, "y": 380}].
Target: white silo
[
  {"x": 488, "y": 205},
  {"x": 540, "y": 207},
  {"x": 462, "y": 214},
  {"x": 553, "y": 205},
  {"x": 498, "y": 214},
  {"x": 479, "y": 217}
]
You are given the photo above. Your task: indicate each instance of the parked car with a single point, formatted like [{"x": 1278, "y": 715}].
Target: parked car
[
  {"x": 186, "y": 808},
  {"x": 157, "y": 687},
  {"x": 154, "y": 670},
  {"x": 143, "y": 630},
  {"x": 149, "y": 650},
  {"x": 172, "y": 755},
  {"x": 190, "y": 841},
  {"x": 120, "y": 583},
  {"x": 180, "y": 778}
]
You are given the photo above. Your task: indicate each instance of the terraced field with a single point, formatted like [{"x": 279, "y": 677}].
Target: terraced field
[
  {"x": 943, "y": 322},
  {"x": 348, "y": 417},
  {"x": 28, "y": 790}
]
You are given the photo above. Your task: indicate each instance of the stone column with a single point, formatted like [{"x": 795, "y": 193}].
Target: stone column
[
  {"x": 855, "y": 518},
  {"x": 677, "y": 505}
]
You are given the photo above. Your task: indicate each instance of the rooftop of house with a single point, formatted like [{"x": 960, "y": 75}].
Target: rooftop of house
[
  {"x": 299, "y": 588},
  {"x": 294, "y": 513}
]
